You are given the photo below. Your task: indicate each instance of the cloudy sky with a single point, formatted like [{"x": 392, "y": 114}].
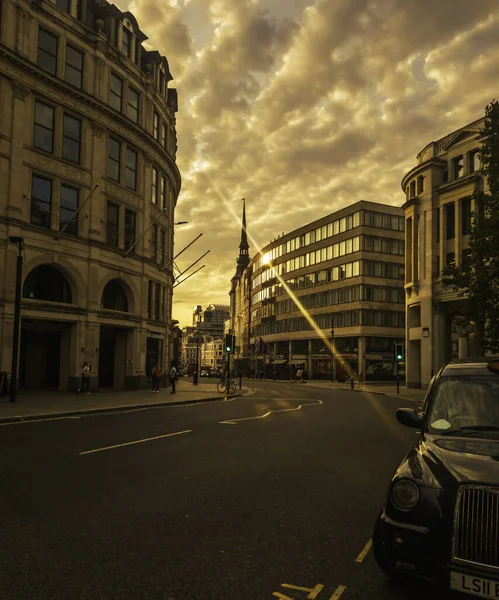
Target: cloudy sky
[{"x": 305, "y": 106}]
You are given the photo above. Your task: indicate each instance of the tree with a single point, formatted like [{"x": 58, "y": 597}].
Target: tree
[{"x": 477, "y": 277}]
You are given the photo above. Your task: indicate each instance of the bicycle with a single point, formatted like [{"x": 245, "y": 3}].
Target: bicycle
[{"x": 224, "y": 387}]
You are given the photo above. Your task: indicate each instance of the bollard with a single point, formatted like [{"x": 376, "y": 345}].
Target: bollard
[
  {"x": 240, "y": 380},
  {"x": 351, "y": 383}
]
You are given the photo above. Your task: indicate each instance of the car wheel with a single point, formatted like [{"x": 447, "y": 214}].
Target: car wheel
[{"x": 382, "y": 556}]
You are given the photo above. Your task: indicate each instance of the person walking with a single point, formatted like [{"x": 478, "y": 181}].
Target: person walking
[
  {"x": 84, "y": 379},
  {"x": 173, "y": 378},
  {"x": 360, "y": 380},
  {"x": 156, "y": 376}
]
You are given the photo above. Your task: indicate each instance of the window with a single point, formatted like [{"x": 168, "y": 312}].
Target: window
[
  {"x": 157, "y": 301},
  {"x": 47, "y": 51},
  {"x": 112, "y": 223},
  {"x": 162, "y": 240},
  {"x": 115, "y": 92},
  {"x": 113, "y": 159},
  {"x": 68, "y": 208},
  {"x": 41, "y": 201},
  {"x": 163, "y": 135},
  {"x": 155, "y": 126},
  {"x": 130, "y": 221},
  {"x": 131, "y": 169},
  {"x": 126, "y": 42},
  {"x": 162, "y": 198},
  {"x": 474, "y": 161},
  {"x": 457, "y": 166},
  {"x": 133, "y": 105},
  {"x": 74, "y": 67},
  {"x": 71, "y": 138},
  {"x": 149, "y": 298},
  {"x": 465, "y": 216},
  {"x": 154, "y": 243},
  {"x": 64, "y": 5},
  {"x": 450, "y": 258},
  {"x": 154, "y": 187},
  {"x": 412, "y": 189},
  {"x": 420, "y": 184},
  {"x": 43, "y": 137},
  {"x": 450, "y": 221}
]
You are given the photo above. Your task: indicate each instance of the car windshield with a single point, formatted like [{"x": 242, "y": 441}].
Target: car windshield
[{"x": 469, "y": 404}]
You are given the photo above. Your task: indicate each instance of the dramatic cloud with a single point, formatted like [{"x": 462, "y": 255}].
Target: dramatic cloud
[{"x": 305, "y": 106}]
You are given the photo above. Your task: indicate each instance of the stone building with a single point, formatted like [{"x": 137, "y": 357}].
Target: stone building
[
  {"x": 238, "y": 322},
  {"x": 88, "y": 179},
  {"x": 340, "y": 277},
  {"x": 438, "y": 211}
]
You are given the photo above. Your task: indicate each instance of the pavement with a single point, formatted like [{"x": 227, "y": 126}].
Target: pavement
[
  {"x": 35, "y": 405},
  {"x": 265, "y": 496}
]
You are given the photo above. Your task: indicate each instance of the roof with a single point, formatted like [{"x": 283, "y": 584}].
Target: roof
[{"x": 468, "y": 366}]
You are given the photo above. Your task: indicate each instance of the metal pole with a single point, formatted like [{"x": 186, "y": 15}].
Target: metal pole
[
  {"x": 398, "y": 379},
  {"x": 186, "y": 278},
  {"x": 17, "y": 319},
  {"x": 183, "y": 250},
  {"x": 196, "y": 372}
]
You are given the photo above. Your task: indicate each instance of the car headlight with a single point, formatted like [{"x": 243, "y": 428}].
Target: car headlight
[{"x": 405, "y": 494}]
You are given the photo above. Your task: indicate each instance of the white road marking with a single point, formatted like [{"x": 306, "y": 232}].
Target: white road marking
[
  {"x": 234, "y": 421},
  {"x": 157, "y": 437},
  {"x": 364, "y": 552},
  {"x": 339, "y": 592}
]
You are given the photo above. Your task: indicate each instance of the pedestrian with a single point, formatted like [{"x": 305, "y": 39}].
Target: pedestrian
[
  {"x": 173, "y": 378},
  {"x": 84, "y": 379},
  {"x": 360, "y": 380},
  {"x": 156, "y": 376}
]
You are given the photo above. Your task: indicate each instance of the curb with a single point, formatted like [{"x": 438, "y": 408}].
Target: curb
[{"x": 107, "y": 410}]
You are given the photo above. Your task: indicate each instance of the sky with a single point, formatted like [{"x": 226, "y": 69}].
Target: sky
[{"x": 303, "y": 107}]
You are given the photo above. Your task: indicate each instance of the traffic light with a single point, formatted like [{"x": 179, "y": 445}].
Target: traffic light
[
  {"x": 399, "y": 352},
  {"x": 229, "y": 343}
]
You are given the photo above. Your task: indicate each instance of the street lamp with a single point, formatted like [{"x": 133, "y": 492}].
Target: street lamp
[
  {"x": 196, "y": 371},
  {"x": 332, "y": 352},
  {"x": 19, "y": 241},
  {"x": 181, "y": 222}
]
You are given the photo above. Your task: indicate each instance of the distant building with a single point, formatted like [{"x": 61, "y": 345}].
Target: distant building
[
  {"x": 345, "y": 273},
  {"x": 438, "y": 212},
  {"x": 213, "y": 355},
  {"x": 89, "y": 180},
  {"x": 208, "y": 326}
]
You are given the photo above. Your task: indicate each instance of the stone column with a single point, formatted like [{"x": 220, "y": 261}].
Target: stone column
[
  {"x": 458, "y": 240},
  {"x": 361, "y": 355},
  {"x": 20, "y": 182},
  {"x": 463, "y": 345},
  {"x": 310, "y": 363}
]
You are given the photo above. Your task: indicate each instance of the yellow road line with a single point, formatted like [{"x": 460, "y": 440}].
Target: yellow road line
[
  {"x": 313, "y": 592},
  {"x": 364, "y": 552},
  {"x": 233, "y": 421},
  {"x": 339, "y": 592},
  {"x": 157, "y": 437}
]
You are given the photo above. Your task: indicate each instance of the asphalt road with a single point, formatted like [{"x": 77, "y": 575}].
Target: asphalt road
[{"x": 238, "y": 500}]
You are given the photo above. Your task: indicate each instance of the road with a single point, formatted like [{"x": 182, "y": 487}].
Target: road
[{"x": 249, "y": 499}]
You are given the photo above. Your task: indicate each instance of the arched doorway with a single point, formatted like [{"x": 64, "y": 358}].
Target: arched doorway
[
  {"x": 113, "y": 340},
  {"x": 41, "y": 358}
]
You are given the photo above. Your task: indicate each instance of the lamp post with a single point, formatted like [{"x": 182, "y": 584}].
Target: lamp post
[
  {"x": 332, "y": 352},
  {"x": 196, "y": 371},
  {"x": 19, "y": 241}
]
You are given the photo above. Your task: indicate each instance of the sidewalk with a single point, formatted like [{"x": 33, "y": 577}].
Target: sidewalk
[{"x": 36, "y": 405}]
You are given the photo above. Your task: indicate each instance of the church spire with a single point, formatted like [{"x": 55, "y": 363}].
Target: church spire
[{"x": 243, "y": 259}]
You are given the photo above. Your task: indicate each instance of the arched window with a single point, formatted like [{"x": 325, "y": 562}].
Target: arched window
[
  {"x": 47, "y": 283},
  {"x": 114, "y": 297}
]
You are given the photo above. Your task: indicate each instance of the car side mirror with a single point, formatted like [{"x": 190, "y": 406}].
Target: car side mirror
[{"x": 409, "y": 417}]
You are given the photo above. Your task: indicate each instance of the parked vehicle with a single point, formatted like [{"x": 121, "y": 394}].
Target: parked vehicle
[{"x": 441, "y": 516}]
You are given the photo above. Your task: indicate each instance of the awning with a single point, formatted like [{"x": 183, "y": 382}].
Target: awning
[
  {"x": 279, "y": 362},
  {"x": 297, "y": 361}
]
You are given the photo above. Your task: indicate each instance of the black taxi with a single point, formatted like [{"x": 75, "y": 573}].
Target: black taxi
[{"x": 440, "y": 520}]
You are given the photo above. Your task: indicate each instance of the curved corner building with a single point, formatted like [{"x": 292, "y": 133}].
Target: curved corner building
[
  {"x": 347, "y": 272},
  {"x": 88, "y": 180}
]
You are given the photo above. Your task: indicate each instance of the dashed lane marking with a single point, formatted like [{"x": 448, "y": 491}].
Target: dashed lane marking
[
  {"x": 364, "y": 552},
  {"x": 157, "y": 437},
  {"x": 339, "y": 592},
  {"x": 234, "y": 421}
]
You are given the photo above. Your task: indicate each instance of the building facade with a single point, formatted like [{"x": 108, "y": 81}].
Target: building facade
[
  {"x": 88, "y": 179},
  {"x": 213, "y": 354},
  {"x": 338, "y": 278},
  {"x": 438, "y": 212}
]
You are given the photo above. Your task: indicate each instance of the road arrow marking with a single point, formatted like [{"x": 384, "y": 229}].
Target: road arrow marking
[
  {"x": 313, "y": 592},
  {"x": 339, "y": 592}
]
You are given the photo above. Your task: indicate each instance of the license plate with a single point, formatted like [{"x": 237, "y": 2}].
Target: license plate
[{"x": 478, "y": 586}]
